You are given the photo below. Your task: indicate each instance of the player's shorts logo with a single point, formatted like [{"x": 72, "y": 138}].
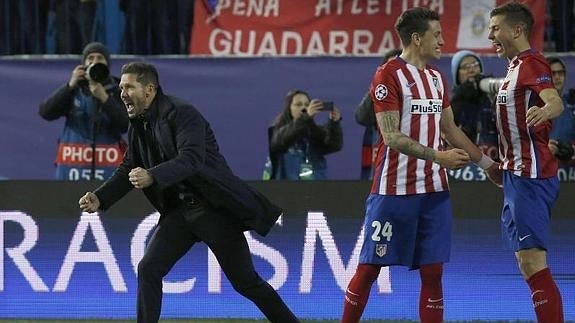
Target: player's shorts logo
[
  {"x": 381, "y": 249},
  {"x": 380, "y": 92}
]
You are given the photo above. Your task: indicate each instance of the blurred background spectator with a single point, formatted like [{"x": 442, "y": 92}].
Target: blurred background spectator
[
  {"x": 49, "y": 26},
  {"x": 155, "y": 27},
  {"x": 23, "y": 26},
  {"x": 142, "y": 27},
  {"x": 297, "y": 145},
  {"x": 559, "y": 25},
  {"x": 473, "y": 109},
  {"x": 149, "y": 27},
  {"x": 75, "y": 24},
  {"x": 562, "y": 137},
  {"x": 365, "y": 116}
]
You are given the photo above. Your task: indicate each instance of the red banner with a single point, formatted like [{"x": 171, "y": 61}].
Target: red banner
[{"x": 336, "y": 27}]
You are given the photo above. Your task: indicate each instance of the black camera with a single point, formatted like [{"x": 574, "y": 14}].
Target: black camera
[
  {"x": 571, "y": 96},
  {"x": 97, "y": 72},
  {"x": 564, "y": 151}
]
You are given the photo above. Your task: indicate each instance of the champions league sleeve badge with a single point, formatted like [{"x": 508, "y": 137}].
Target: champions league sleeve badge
[{"x": 380, "y": 92}]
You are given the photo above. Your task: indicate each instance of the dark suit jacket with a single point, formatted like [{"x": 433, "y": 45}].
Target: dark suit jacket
[{"x": 191, "y": 162}]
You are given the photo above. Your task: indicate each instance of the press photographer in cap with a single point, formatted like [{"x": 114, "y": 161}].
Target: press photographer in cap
[
  {"x": 471, "y": 101},
  {"x": 91, "y": 145},
  {"x": 562, "y": 136}
]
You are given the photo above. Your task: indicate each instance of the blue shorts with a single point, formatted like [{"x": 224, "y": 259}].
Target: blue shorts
[
  {"x": 407, "y": 230},
  {"x": 526, "y": 213}
]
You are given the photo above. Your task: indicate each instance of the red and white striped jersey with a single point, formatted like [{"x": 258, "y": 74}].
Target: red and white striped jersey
[
  {"x": 522, "y": 149},
  {"x": 419, "y": 96}
]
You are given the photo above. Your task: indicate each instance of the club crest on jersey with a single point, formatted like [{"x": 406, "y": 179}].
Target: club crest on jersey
[
  {"x": 426, "y": 106},
  {"x": 380, "y": 92},
  {"x": 436, "y": 83},
  {"x": 381, "y": 249}
]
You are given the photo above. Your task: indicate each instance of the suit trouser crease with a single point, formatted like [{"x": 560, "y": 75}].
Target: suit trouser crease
[{"x": 172, "y": 239}]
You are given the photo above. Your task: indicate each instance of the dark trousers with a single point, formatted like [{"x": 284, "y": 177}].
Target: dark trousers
[{"x": 174, "y": 236}]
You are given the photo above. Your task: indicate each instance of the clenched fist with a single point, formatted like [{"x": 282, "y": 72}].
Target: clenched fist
[
  {"x": 140, "y": 177},
  {"x": 89, "y": 202}
]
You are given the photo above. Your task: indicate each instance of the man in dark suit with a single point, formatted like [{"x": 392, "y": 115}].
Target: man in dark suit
[{"x": 174, "y": 158}]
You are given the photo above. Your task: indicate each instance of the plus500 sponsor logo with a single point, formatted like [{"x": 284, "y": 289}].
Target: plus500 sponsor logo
[{"x": 426, "y": 106}]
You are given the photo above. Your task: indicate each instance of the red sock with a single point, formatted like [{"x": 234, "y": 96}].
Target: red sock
[
  {"x": 546, "y": 297},
  {"x": 357, "y": 292},
  {"x": 431, "y": 296}
]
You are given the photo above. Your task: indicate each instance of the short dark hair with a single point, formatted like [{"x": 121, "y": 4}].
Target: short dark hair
[
  {"x": 414, "y": 20},
  {"x": 515, "y": 14},
  {"x": 145, "y": 73},
  {"x": 556, "y": 59}
]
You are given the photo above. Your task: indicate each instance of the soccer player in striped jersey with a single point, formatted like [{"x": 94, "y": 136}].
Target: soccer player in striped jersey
[
  {"x": 408, "y": 213},
  {"x": 526, "y": 103}
]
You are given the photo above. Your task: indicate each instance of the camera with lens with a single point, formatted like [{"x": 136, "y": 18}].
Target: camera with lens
[
  {"x": 571, "y": 96},
  {"x": 564, "y": 151},
  {"x": 97, "y": 72},
  {"x": 489, "y": 84}
]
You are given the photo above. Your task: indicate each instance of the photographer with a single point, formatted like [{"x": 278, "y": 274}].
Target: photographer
[
  {"x": 562, "y": 137},
  {"x": 297, "y": 145},
  {"x": 365, "y": 116},
  {"x": 472, "y": 108},
  {"x": 91, "y": 144}
]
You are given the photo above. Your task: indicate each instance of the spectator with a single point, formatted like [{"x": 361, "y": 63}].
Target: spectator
[
  {"x": 472, "y": 108},
  {"x": 75, "y": 24},
  {"x": 156, "y": 26},
  {"x": 562, "y": 136},
  {"x": 87, "y": 20},
  {"x": 23, "y": 27},
  {"x": 95, "y": 119},
  {"x": 297, "y": 145},
  {"x": 562, "y": 15},
  {"x": 365, "y": 116}
]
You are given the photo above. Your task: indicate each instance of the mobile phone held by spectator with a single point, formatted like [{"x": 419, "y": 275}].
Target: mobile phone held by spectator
[{"x": 327, "y": 106}]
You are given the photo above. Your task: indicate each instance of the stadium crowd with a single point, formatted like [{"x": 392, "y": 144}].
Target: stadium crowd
[{"x": 66, "y": 26}]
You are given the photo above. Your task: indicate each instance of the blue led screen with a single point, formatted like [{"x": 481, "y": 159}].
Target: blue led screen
[{"x": 74, "y": 266}]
